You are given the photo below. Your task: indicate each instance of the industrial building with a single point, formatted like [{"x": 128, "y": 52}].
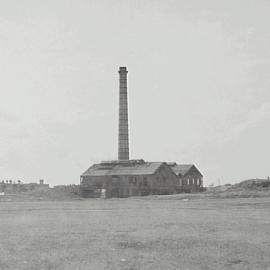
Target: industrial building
[
  {"x": 125, "y": 177},
  {"x": 128, "y": 178}
]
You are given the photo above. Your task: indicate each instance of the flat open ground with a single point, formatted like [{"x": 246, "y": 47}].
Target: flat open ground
[{"x": 136, "y": 233}]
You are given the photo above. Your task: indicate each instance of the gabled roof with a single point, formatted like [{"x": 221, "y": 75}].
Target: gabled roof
[
  {"x": 123, "y": 168},
  {"x": 183, "y": 169}
]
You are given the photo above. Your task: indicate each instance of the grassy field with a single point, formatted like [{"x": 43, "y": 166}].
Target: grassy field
[{"x": 136, "y": 233}]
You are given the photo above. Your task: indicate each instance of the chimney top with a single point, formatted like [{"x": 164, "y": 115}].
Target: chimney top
[{"x": 122, "y": 69}]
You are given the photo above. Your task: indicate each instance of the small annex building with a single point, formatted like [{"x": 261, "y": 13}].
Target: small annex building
[
  {"x": 189, "y": 177},
  {"x": 128, "y": 178}
]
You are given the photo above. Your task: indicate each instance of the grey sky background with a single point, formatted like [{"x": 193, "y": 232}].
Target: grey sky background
[{"x": 198, "y": 85}]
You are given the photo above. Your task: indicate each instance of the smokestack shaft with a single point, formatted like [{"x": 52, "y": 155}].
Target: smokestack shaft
[{"x": 123, "y": 137}]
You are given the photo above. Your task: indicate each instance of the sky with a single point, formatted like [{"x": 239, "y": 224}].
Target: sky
[{"x": 198, "y": 86}]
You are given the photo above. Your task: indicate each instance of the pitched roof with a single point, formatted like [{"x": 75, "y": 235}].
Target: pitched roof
[
  {"x": 182, "y": 168},
  {"x": 123, "y": 168}
]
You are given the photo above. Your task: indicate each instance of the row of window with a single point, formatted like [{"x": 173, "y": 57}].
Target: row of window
[
  {"x": 191, "y": 181},
  {"x": 137, "y": 180}
]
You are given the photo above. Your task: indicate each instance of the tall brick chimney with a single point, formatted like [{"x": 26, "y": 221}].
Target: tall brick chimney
[{"x": 123, "y": 138}]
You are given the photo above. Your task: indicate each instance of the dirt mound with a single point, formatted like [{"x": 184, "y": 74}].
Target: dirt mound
[
  {"x": 218, "y": 189},
  {"x": 57, "y": 194},
  {"x": 253, "y": 184},
  {"x": 247, "y": 188}
]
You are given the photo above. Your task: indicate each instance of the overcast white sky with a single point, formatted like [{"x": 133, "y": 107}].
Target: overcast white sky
[{"x": 198, "y": 85}]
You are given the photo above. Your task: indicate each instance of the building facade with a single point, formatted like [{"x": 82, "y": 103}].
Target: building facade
[
  {"x": 131, "y": 178},
  {"x": 189, "y": 177}
]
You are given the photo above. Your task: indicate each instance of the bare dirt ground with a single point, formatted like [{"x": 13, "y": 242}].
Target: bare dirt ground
[{"x": 136, "y": 233}]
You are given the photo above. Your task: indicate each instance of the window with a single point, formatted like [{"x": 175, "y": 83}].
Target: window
[
  {"x": 115, "y": 179},
  {"x": 144, "y": 181},
  {"x": 200, "y": 181}
]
